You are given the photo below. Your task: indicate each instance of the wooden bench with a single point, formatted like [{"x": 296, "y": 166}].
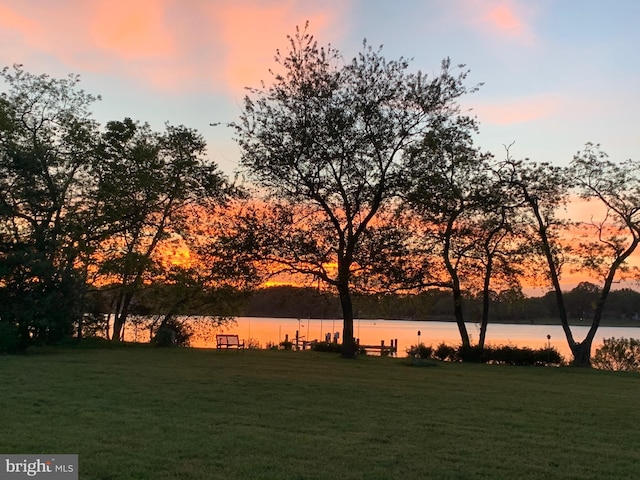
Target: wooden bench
[{"x": 228, "y": 341}]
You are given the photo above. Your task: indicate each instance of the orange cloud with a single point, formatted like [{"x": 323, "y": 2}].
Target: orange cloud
[
  {"x": 164, "y": 44},
  {"x": 12, "y": 20},
  {"x": 253, "y": 31},
  {"x": 131, "y": 30}
]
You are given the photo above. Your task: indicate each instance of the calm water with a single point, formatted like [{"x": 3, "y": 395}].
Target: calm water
[{"x": 371, "y": 332}]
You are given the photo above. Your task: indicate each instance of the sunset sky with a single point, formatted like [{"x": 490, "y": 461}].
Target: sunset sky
[{"x": 556, "y": 73}]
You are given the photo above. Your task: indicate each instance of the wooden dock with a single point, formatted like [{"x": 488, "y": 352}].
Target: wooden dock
[{"x": 384, "y": 350}]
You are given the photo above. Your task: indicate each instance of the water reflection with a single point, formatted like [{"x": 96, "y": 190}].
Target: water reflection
[{"x": 272, "y": 331}]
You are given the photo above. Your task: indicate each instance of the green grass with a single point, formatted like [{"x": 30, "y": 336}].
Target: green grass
[{"x": 149, "y": 413}]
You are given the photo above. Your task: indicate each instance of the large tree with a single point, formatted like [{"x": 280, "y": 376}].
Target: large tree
[
  {"x": 466, "y": 217},
  {"x": 328, "y": 138},
  {"x": 608, "y": 239},
  {"x": 147, "y": 181},
  {"x": 47, "y": 148},
  {"x": 612, "y": 236}
]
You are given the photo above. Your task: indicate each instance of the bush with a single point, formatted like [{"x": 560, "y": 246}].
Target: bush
[
  {"x": 420, "y": 351},
  {"x": 330, "y": 347},
  {"x": 253, "y": 344},
  {"x": 10, "y": 339},
  {"x": 503, "y": 355},
  {"x": 618, "y": 354},
  {"x": 548, "y": 356},
  {"x": 445, "y": 353},
  {"x": 173, "y": 332},
  {"x": 473, "y": 353}
]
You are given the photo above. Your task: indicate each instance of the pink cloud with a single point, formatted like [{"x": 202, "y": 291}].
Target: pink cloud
[
  {"x": 12, "y": 20},
  {"x": 253, "y": 31},
  {"x": 502, "y": 19},
  {"x": 131, "y": 30},
  {"x": 506, "y": 20},
  {"x": 518, "y": 111}
]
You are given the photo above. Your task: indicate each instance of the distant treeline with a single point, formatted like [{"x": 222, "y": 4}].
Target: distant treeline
[{"x": 507, "y": 306}]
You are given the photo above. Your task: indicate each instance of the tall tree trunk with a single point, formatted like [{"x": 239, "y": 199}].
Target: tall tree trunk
[
  {"x": 484, "y": 322},
  {"x": 349, "y": 348},
  {"x": 577, "y": 349},
  {"x": 121, "y": 315},
  {"x": 459, "y": 315},
  {"x": 455, "y": 283}
]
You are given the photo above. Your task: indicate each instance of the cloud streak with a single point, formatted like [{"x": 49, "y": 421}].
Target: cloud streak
[
  {"x": 502, "y": 19},
  {"x": 219, "y": 45},
  {"x": 519, "y": 111}
]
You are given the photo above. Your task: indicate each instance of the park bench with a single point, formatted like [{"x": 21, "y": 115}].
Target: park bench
[{"x": 228, "y": 341}]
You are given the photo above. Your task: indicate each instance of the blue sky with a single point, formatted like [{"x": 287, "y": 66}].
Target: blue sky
[{"x": 556, "y": 73}]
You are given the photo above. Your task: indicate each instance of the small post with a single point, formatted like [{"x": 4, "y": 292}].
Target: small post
[{"x": 297, "y": 344}]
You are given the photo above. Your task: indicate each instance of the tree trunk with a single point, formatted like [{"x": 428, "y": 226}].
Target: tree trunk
[
  {"x": 486, "y": 299},
  {"x": 121, "y": 315},
  {"x": 455, "y": 283},
  {"x": 555, "y": 281},
  {"x": 581, "y": 354},
  {"x": 457, "y": 310},
  {"x": 349, "y": 349}
]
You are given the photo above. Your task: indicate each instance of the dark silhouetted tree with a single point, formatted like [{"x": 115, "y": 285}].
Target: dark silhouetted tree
[{"x": 328, "y": 139}]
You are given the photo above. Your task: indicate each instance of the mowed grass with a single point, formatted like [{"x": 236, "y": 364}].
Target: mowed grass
[{"x": 150, "y": 413}]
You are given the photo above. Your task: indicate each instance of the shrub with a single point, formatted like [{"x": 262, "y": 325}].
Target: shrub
[
  {"x": 503, "y": 354},
  {"x": 420, "y": 351},
  {"x": 173, "y": 332},
  {"x": 330, "y": 347},
  {"x": 511, "y": 355},
  {"x": 618, "y": 354},
  {"x": 473, "y": 353},
  {"x": 445, "y": 352},
  {"x": 548, "y": 356},
  {"x": 10, "y": 340}
]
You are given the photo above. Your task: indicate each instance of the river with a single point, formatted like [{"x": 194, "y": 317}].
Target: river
[{"x": 266, "y": 331}]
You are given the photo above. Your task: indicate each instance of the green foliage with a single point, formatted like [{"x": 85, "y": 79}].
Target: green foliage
[{"x": 618, "y": 354}]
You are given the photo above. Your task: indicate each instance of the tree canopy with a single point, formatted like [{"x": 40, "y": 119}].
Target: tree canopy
[{"x": 329, "y": 139}]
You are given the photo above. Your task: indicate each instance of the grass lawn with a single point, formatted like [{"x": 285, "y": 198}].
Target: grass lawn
[{"x": 150, "y": 413}]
